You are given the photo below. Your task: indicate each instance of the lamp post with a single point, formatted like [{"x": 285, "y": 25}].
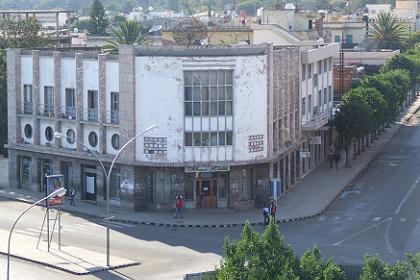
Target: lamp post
[
  {"x": 59, "y": 192},
  {"x": 108, "y": 178}
]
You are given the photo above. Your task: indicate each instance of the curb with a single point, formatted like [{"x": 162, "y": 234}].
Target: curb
[
  {"x": 281, "y": 221},
  {"x": 112, "y": 267}
]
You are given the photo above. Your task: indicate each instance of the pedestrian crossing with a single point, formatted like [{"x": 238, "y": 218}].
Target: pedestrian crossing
[
  {"x": 72, "y": 228},
  {"x": 340, "y": 219}
]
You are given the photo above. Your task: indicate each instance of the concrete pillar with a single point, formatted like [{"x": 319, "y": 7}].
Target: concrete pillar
[
  {"x": 14, "y": 100},
  {"x": 13, "y": 164},
  {"x": 79, "y": 98},
  {"x": 100, "y": 183},
  {"x": 77, "y": 178},
  {"x": 57, "y": 96},
  {"x": 57, "y": 29},
  {"x": 270, "y": 99},
  {"x": 36, "y": 95},
  {"x": 35, "y": 174},
  {"x": 127, "y": 85},
  {"x": 102, "y": 102}
]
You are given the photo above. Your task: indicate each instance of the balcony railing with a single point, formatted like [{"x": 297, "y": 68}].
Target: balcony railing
[
  {"x": 46, "y": 110},
  {"x": 90, "y": 115},
  {"x": 27, "y": 108},
  {"x": 317, "y": 121},
  {"x": 112, "y": 117},
  {"x": 68, "y": 113}
]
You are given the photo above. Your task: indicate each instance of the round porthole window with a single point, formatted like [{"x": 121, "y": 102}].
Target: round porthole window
[
  {"x": 28, "y": 131},
  {"x": 115, "y": 141},
  {"x": 71, "y": 136},
  {"x": 49, "y": 133},
  {"x": 93, "y": 139}
]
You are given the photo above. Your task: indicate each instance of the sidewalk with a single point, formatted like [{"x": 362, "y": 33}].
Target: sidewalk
[{"x": 308, "y": 198}]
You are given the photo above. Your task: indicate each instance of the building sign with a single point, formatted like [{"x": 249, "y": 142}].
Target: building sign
[
  {"x": 213, "y": 168},
  {"x": 255, "y": 143},
  {"x": 315, "y": 140},
  {"x": 54, "y": 182},
  {"x": 304, "y": 154},
  {"x": 155, "y": 145}
]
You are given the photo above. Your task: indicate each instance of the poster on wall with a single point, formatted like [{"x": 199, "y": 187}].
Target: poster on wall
[{"x": 54, "y": 182}]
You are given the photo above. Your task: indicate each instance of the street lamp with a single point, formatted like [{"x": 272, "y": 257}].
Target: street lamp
[
  {"x": 107, "y": 174},
  {"x": 59, "y": 192}
]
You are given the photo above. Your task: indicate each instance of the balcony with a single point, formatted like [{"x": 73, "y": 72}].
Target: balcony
[
  {"x": 113, "y": 117},
  {"x": 90, "y": 115},
  {"x": 317, "y": 121},
  {"x": 68, "y": 113},
  {"x": 27, "y": 108},
  {"x": 46, "y": 110}
]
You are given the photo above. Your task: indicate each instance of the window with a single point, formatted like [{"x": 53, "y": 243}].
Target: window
[
  {"x": 24, "y": 172},
  {"x": 303, "y": 72},
  {"x": 205, "y": 139},
  {"x": 189, "y": 187},
  {"x": 28, "y": 131},
  {"x": 93, "y": 139},
  {"x": 208, "y": 93},
  {"x": 188, "y": 139},
  {"x": 330, "y": 93},
  {"x": 349, "y": 39},
  {"x": 325, "y": 65},
  {"x": 161, "y": 187},
  {"x": 70, "y": 103},
  {"x": 325, "y": 96},
  {"x": 309, "y": 71},
  {"x": 319, "y": 98},
  {"x": 309, "y": 104},
  {"x": 70, "y": 136},
  {"x": 92, "y": 103},
  {"x": 27, "y": 99},
  {"x": 222, "y": 186},
  {"x": 115, "y": 107},
  {"x": 48, "y": 100},
  {"x": 49, "y": 133},
  {"x": 245, "y": 185},
  {"x": 303, "y": 105},
  {"x": 115, "y": 141},
  {"x": 337, "y": 38},
  {"x": 319, "y": 67},
  {"x": 330, "y": 64}
]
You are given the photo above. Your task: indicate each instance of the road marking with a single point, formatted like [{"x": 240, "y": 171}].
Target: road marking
[
  {"x": 360, "y": 232},
  {"x": 408, "y": 194},
  {"x": 25, "y": 232},
  {"x": 403, "y": 220},
  {"x": 337, "y": 218},
  {"x": 376, "y": 219},
  {"x": 322, "y": 218},
  {"x": 121, "y": 224},
  {"x": 349, "y": 218}
]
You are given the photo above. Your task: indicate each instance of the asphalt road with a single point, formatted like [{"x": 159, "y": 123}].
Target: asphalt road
[{"x": 378, "y": 213}]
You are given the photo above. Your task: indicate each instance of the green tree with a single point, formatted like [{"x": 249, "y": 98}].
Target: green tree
[
  {"x": 388, "y": 31},
  {"x": 82, "y": 24},
  {"x": 399, "y": 271},
  {"x": 333, "y": 272},
  {"x": 128, "y": 33},
  {"x": 98, "y": 21},
  {"x": 312, "y": 265},
  {"x": 26, "y": 34},
  {"x": 400, "y": 79},
  {"x": 413, "y": 262},
  {"x": 373, "y": 269}
]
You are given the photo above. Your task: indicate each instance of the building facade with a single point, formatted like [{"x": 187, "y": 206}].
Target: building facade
[{"x": 229, "y": 121}]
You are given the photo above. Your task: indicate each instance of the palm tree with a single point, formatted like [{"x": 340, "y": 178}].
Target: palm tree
[
  {"x": 128, "y": 33},
  {"x": 388, "y": 32}
]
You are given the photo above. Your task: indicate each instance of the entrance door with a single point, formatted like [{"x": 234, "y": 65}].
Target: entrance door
[
  {"x": 90, "y": 184},
  {"x": 206, "y": 193}
]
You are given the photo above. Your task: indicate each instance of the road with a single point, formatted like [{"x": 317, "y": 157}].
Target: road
[{"x": 378, "y": 213}]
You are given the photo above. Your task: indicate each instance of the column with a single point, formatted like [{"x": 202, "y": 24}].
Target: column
[
  {"x": 79, "y": 99},
  {"x": 102, "y": 96},
  {"x": 14, "y": 95},
  {"x": 57, "y": 29},
  {"x": 36, "y": 98},
  {"x": 57, "y": 95},
  {"x": 35, "y": 174},
  {"x": 13, "y": 163}
]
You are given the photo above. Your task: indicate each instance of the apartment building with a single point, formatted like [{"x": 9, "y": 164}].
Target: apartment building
[{"x": 229, "y": 121}]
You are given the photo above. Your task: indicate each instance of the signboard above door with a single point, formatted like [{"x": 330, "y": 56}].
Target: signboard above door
[{"x": 213, "y": 168}]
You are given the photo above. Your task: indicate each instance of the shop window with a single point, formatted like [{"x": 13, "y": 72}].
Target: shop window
[
  {"x": 222, "y": 186},
  {"x": 28, "y": 131},
  {"x": 245, "y": 185},
  {"x": 161, "y": 187},
  {"x": 189, "y": 187},
  {"x": 25, "y": 171}
]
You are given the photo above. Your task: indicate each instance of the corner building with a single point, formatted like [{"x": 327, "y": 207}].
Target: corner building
[{"x": 217, "y": 108}]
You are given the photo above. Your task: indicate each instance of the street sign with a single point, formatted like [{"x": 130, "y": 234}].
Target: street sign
[
  {"x": 304, "y": 154},
  {"x": 315, "y": 140}
]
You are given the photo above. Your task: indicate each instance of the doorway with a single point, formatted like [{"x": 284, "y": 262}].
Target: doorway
[
  {"x": 90, "y": 186},
  {"x": 206, "y": 193}
]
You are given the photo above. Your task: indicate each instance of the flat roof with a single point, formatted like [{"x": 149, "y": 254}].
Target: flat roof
[
  {"x": 35, "y": 11},
  {"x": 237, "y": 50}
]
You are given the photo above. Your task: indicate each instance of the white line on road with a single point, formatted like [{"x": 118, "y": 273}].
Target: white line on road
[
  {"x": 403, "y": 220},
  {"x": 25, "y": 232},
  {"x": 322, "y": 218},
  {"x": 360, "y": 232},
  {"x": 408, "y": 194},
  {"x": 376, "y": 219},
  {"x": 121, "y": 224}
]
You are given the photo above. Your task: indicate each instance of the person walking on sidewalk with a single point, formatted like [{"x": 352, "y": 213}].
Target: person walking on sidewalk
[
  {"x": 266, "y": 210},
  {"x": 273, "y": 210},
  {"x": 179, "y": 207},
  {"x": 331, "y": 155},
  {"x": 72, "y": 195},
  {"x": 336, "y": 159}
]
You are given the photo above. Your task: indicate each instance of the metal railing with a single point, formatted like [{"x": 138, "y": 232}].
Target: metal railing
[
  {"x": 46, "y": 110},
  {"x": 68, "y": 113},
  {"x": 90, "y": 115},
  {"x": 113, "y": 117},
  {"x": 27, "y": 108}
]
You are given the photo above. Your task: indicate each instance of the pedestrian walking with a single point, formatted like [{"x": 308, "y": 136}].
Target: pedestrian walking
[
  {"x": 336, "y": 159},
  {"x": 266, "y": 211},
  {"x": 331, "y": 154},
  {"x": 72, "y": 195},
  {"x": 273, "y": 210},
  {"x": 179, "y": 207}
]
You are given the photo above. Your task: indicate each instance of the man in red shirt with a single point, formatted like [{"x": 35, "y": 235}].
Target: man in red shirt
[{"x": 179, "y": 207}]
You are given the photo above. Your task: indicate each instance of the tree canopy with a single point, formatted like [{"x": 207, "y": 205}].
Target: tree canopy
[{"x": 98, "y": 21}]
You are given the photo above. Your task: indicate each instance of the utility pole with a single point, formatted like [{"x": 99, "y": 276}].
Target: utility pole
[{"x": 342, "y": 66}]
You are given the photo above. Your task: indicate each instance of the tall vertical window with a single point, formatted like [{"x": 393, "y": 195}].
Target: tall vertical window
[
  {"x": 319, "y": 67},
  {"x": 48, "y": 100},
  {"x": 303, "y": 72},
  {"x": 27, "y": 99},
  {"x": 92, "y": 103},
  {"x": 70, "y": 103},
  {"x": 161, "y": 187},
  {"x": 304, "y": 106},
  {"x": 330, "y": 64},
  {"x": 25, "y": 172},
  {"x": 330, "y": 93},
  {"x": 309, "y": 104},
  {"x": 245, "y": 185},
  {"x": 325, "y": 65},
  {"x": 309, "y": 70},
  {"x": 115, "y": 107},
  {"x": 325, "y": 96}
]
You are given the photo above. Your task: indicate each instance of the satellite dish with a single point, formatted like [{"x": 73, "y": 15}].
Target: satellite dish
[
  {"x": 76, "y": 30},
  {"x": 150, "y": 9},
  {"x": 155, "y": 28}
]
